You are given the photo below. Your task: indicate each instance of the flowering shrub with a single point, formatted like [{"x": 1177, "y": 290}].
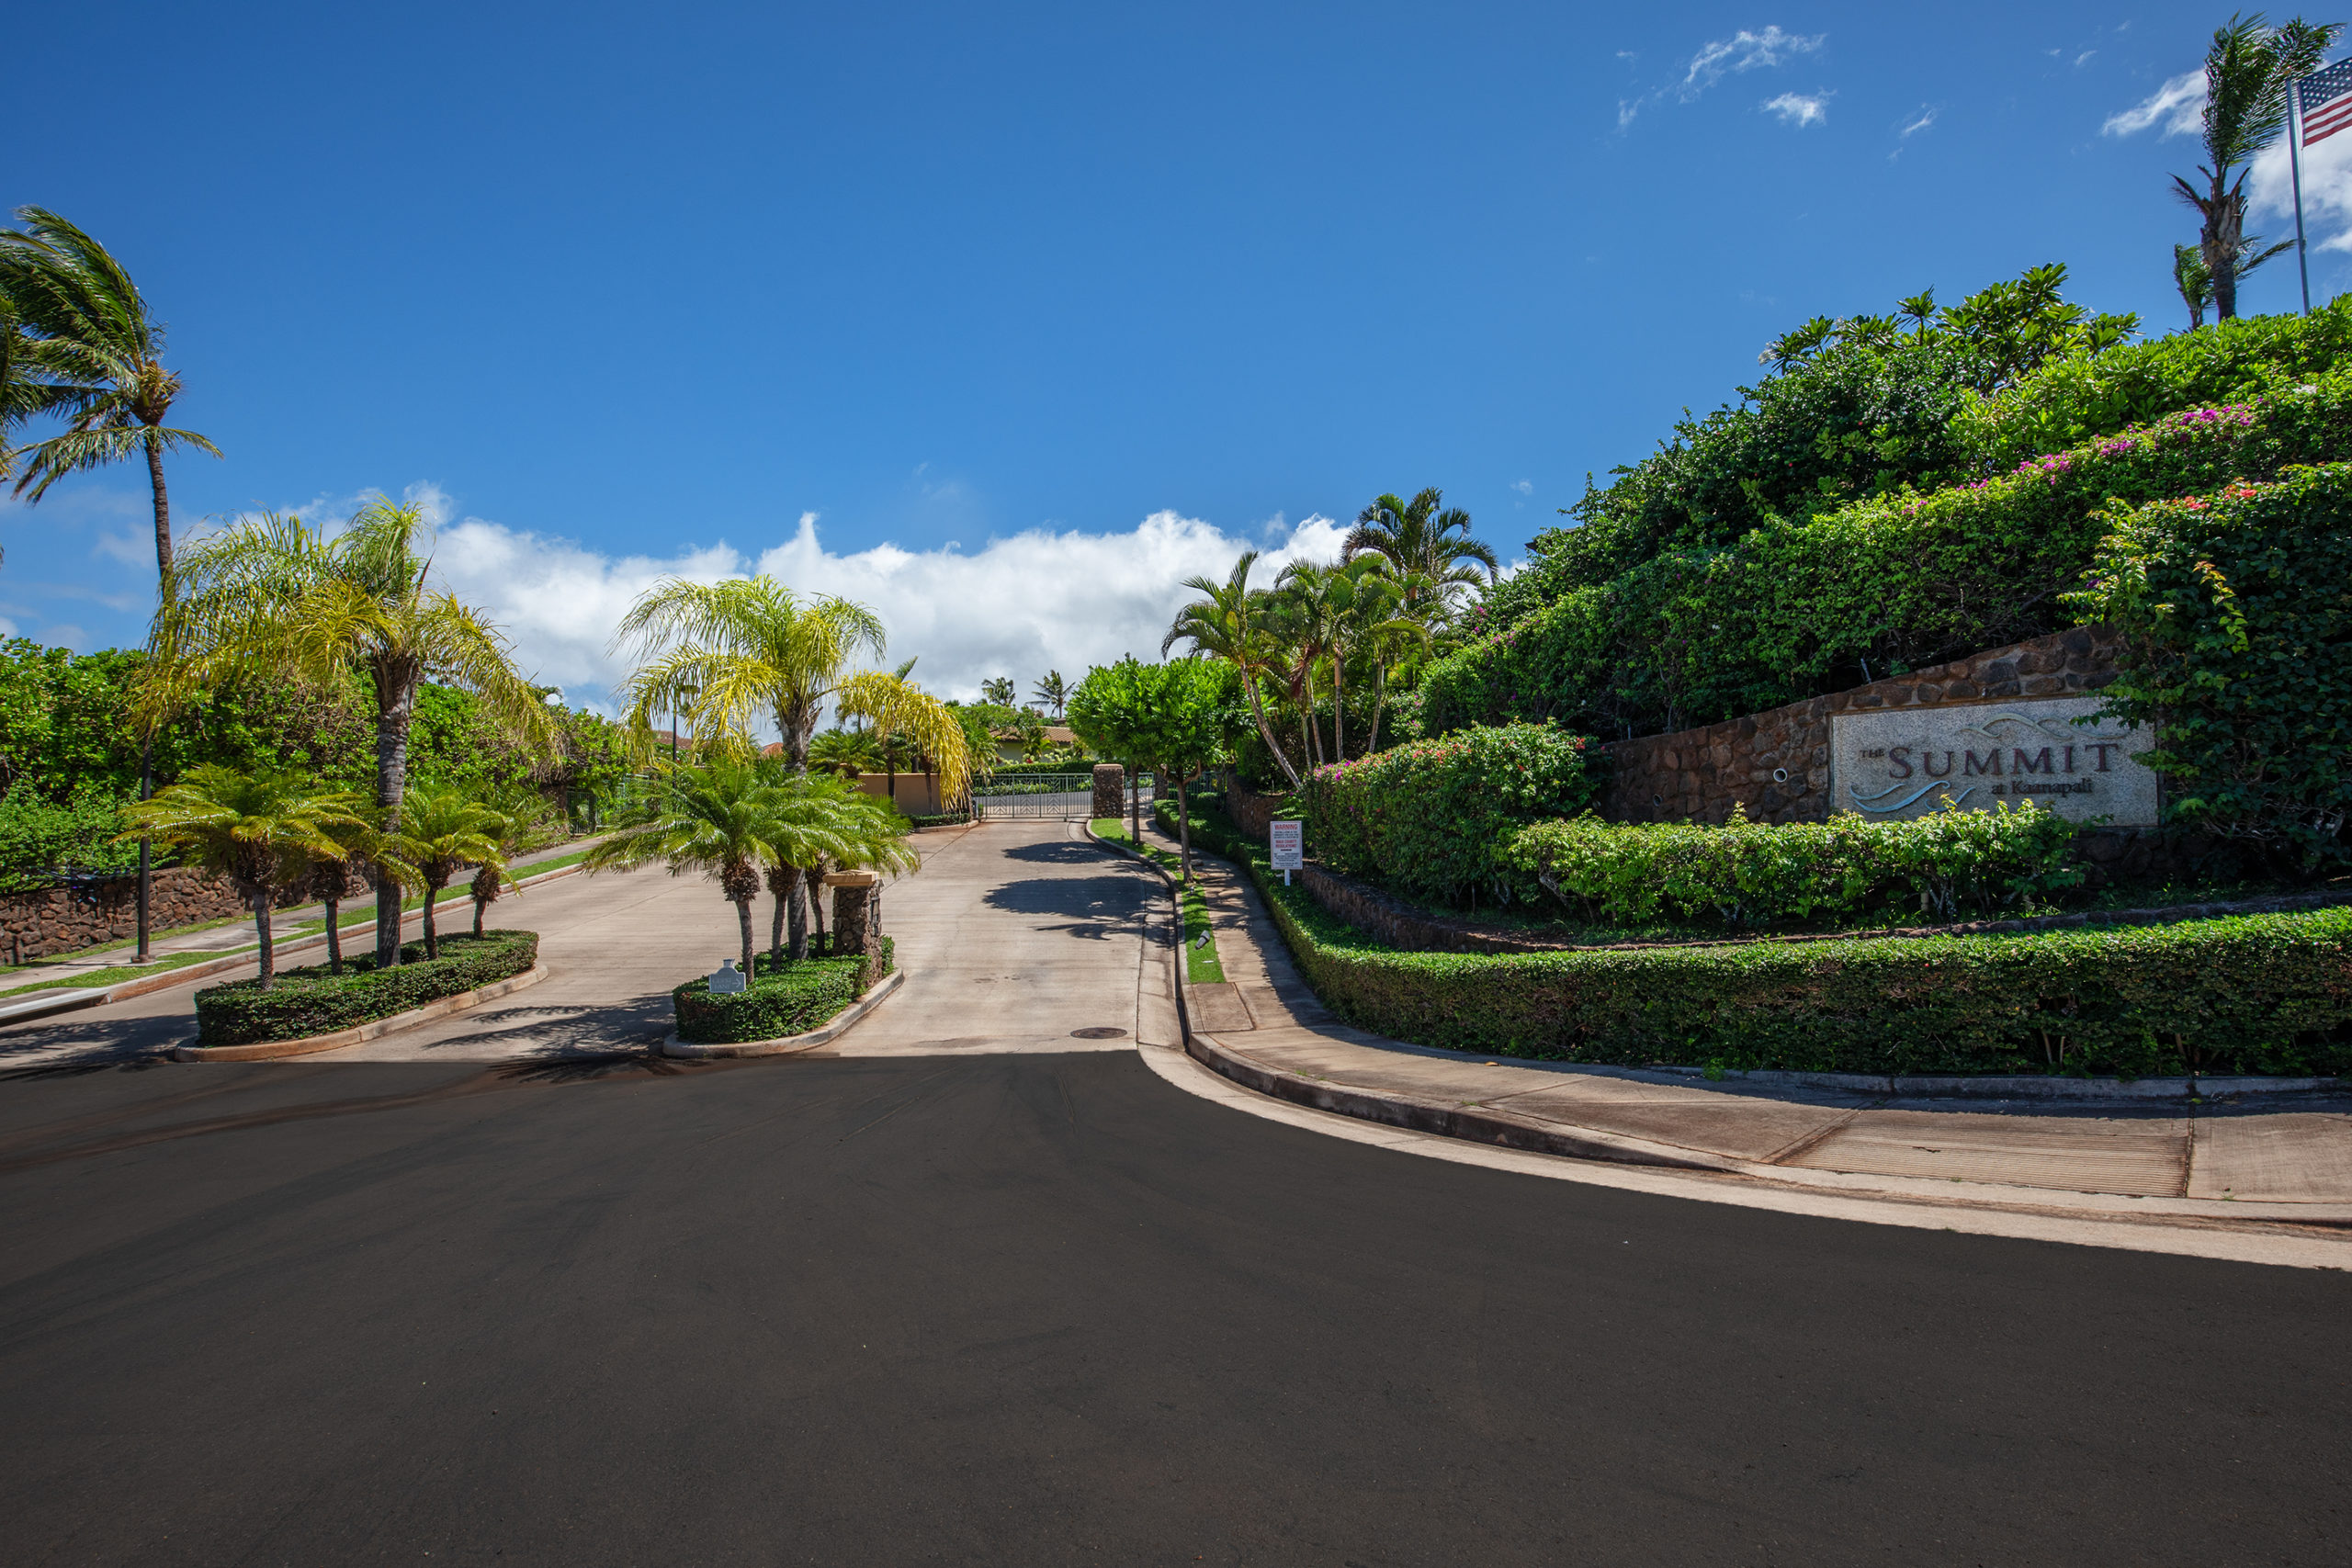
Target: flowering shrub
[
  {"x": 1898, "y": 582},
  {"x": 1428, "y": 818},
  {"x": 1748, "y": 875},
  {"x": 2238, "y": 650}
]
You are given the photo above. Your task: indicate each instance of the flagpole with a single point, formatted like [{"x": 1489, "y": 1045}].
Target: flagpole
[{"x": 2295, "y": 166}]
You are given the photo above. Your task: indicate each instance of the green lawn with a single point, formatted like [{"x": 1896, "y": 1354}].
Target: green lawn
[
  {"x": 1201, "y": 965},
  {"x": 114, "y": 977}
]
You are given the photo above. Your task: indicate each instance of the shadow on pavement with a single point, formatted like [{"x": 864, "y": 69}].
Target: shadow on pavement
[
  {"x": 1061, "y": 852},
  {"x": 1098, "y": 907}
]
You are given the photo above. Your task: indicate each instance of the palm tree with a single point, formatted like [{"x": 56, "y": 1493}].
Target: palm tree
[
  {"x": 845, "y": 753},
  {"x": 73, "y": 314},
  {"x": 1053, "y": 691},
  {"x": 901, "y": 716},
  {"x": 714, "y": 817},
  {"x": 1227, "y": 622},
  {"x": 274, "y": 598},
  {"x": 444, "y": 829},
  {"x": 1314, "y": 600},
  {"x": 998, "y": 689},
  {"x": 817, "y": 822},
  {"x": 2247, "y": 70},
  {"x": 1430, "y": 549},
  {"x": 261, "y": 832},
  {"x": 740, "y": 652},
  {"x": 104, "y": 352}
]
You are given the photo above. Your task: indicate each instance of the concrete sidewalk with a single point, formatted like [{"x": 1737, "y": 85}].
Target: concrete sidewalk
[{"x": 2285, "y": 1163}]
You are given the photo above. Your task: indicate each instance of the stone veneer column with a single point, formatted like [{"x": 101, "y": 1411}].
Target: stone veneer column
[
  {"x": 1110, "y": 790},
  {"x": 854, "y": 929}
]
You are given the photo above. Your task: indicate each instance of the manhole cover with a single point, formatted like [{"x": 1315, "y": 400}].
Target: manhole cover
[{"x": 1099, "y": 1031}]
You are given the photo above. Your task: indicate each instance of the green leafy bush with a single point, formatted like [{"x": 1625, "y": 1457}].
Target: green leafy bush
[
  {"x": 1748, "y": 875},
  {"x": 1428, "y": 818},
  {"x": 303, "y": 1002},
  {"x": 2259, "y": 994},
  {"x": 2069, "y": 400},
  {"x": 41, "y": 837},
  {"x": 791, "y": 999},
  {"x": 2238, "y": 650},
  {"x": 1895, "y": 583}
]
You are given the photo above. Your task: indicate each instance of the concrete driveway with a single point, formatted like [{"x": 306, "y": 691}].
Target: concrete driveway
[{"x": 1013, "y": 935}]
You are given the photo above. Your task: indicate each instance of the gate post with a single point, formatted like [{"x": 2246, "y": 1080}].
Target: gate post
[{"x": 1110, "y": 784}]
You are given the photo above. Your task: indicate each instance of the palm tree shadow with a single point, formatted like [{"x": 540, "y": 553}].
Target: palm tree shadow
[{"x": 1096, "y": 908}]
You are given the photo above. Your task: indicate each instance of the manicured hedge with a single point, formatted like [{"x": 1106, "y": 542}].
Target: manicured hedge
[
  {"x": 303, "y": 1002},
  {"x": 799, "y": 996},
  {"x": 2238, "y": 650},
  {"x": 1748, "y": 875},
  {"x": 1901, "y": 582},
  {"x": 1428, "y": 818},
  {"x": 2260, "y": 993}
]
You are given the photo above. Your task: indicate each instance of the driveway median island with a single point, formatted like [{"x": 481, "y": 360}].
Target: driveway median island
[{"x": 794, "y": 1005}]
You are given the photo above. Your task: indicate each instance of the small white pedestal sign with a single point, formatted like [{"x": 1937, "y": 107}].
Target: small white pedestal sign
[
  {"x": 726, "y": 979},
  {"x": 1288, "y": 840}
]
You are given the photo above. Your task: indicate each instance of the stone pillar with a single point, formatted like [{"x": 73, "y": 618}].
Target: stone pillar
[
  {"x": 1110, "y": 784},
  {"x": 855, "y": 929}
]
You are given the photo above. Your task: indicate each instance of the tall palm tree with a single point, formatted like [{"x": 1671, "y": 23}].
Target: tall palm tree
[
  {"x": 104, "y": 352},
  {"x": 903, "y": 715},
  {"x": 1427, "y": 545},
  {"x": 738, "y": 652},
  {"x": 274, "y": 598},
  {"x": 1228, "y": 622},
  {"x": 1053, "y": 691},
  {"x": 444, "y": 830},
  {"x": 74, "y": 316},
  {"x": 2247, "y": 70},
  {"x": 999, "y": 690},
  {"x": 1314, "y": 601},
  {"x": 263, "y": 833}
]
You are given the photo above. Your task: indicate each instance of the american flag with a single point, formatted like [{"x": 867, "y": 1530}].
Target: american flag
[{"x": 2325, "y": 98}]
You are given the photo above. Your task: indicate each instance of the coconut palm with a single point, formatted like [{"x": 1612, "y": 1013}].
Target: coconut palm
[
  {"x": 444, "y": 830},
  {"x": 1053, "y": 691},
  {"x": 272, "y": 597},
  {"x": 2247, "y": 69},
  {"x": 740, "y": 652},
  {"x": 104, "y": 352},
  {"x": 1229, "y": 622},
  {"x": 260, "y": 832},
  {"x": 1000, "y": 691}
]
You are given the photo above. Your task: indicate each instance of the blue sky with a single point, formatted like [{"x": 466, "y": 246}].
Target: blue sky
[{"x": 1034, "y": 308}]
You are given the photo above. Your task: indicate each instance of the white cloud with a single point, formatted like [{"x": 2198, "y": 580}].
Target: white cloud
[
  {"x": 2084, "y": 58},
  {"x": 2179, "y": 106},
  {"x": 1525, "y": 487},
  {"x": 1924, "y": 118},
  {"x": 1019, "y": 605},
  {"x": 1799, "y": 109},
  {"x": 1745, "y": 51},
  {"x": 2327, "y": 195},
  {"x": 1626, "y": 109}
]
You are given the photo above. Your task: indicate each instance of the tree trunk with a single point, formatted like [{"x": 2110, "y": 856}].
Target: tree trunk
[
  {"x": 2224, "y": 226},
  {"x": 1265, "y": 730},
  {"x": 479, "y": 907},
  {"x": 261, "y": 929},
  {"x": 1183, "y": 837},
  {"x": 432, "y": 937},
  {"x": 1134, "y": 801},
  {"x": 146, "y": 858},
  {"x": 796, "y": 919},
  {"x": 783, "y": 880},
  {"x": 1379, "y": 697},
  {"x": 816, "y": 905},
  {"x": 395, "y": 707},
  {"x": 743, "y": 919},
  {"x": 162, "y": 514},
  {"x": 335, "y": 938},
  {"x": 1339, "y": 707}
]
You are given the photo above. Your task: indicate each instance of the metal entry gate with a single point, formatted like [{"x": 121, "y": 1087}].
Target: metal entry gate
[{"x": 1048, "y": 797}]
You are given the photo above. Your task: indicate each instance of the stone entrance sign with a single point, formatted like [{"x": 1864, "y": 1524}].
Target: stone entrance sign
[{"x": 1906, "y": 762}]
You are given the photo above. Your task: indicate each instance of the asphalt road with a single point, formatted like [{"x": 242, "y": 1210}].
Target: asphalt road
[{"x": 1046, "y": 1309}]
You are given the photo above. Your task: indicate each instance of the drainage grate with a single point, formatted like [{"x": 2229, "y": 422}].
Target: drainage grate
[{"x": 1099, "y": 1031}]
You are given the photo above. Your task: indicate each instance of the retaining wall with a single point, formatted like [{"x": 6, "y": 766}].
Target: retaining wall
[{"x": 66, "y": 919}]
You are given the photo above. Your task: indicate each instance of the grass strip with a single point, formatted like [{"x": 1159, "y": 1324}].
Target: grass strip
[
  {"x": 91, "y": 979},
  {"x": 1201, "y": 965}
]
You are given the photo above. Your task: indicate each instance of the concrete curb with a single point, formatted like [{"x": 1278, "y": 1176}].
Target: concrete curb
[
  {"x": 2023, "y": 1086},
  {"x": 786, "y": 1044},
  {"x": 67, "y": 1001},
  {"x": 441, "y": 1007}
]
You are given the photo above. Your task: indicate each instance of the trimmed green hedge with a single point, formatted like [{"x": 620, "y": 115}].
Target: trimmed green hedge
[
  {"x": 2238, "y": 651},
  {"x": 1795, "y": 608},
  {"x": 801, "y": 995},
  {"x": 2257, "y": 994},
  {"x": 303, "y": 1002},
  {"x": 1429, "y": 817},
  {"x": 1747, "y": 875}
]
